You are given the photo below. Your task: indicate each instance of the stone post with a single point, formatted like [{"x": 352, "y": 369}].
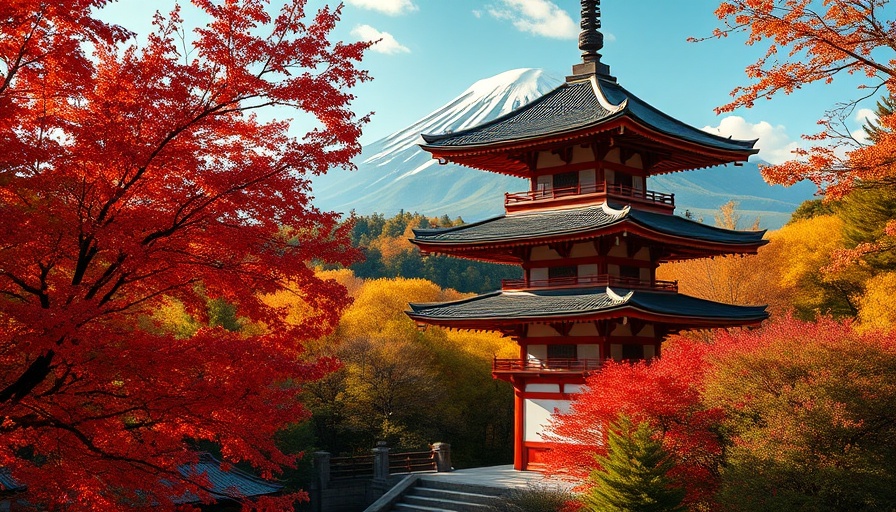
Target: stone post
[
  {"x": 321, "y": 481},
  {"x": 442, "y": 454},
  {"x": 322, "y": 468},
  {"x": 381, "y": 463}
]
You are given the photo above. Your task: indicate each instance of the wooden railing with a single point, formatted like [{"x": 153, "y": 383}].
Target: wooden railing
[
  {"x": 512, "y": 198},
  {"x": 360, "y": 466},
  {"x": 543, "y": 365},
  {"x": 411, "y": 462},
  {"x": 599, "y": 280}
]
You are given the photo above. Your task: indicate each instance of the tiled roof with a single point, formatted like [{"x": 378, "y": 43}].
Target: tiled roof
[
  {"x": 525, "y": 225},
  {"x": 575, "y": 106},
  {"x": 684, "y": 227},
  {"x": 551, "y": 223},
  {"x": 8, "y": 483},
  {"x": 535, "y": 305},
  {"x": 233, "y": 483}
]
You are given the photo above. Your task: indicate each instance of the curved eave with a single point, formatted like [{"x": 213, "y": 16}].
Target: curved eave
[
  {"x": 496, "y": 323},
  {"x": 500, "y": 250},
  {"x": 493, "y": 157}
]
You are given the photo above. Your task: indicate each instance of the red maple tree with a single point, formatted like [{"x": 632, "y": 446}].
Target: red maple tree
[
  {"x": 666, "y": 393},
  {"x": 142, "y": 173}
]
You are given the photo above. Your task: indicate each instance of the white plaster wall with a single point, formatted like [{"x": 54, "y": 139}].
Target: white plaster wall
[
  {"x": 588, "y": 351},
  {"x": 537, "y": 414},
  {"x": 549, "y": 159},
  {"x": 543, "y": 252},
  {"x": 616, "y": 351},
  {"x": 647, "y": 330},
  {"x": 588, "y": 270},
  {"x": 588, "y": 329},
  {"x": 649, "y": 351},
  {"x": 582, "y": 250},
  {"x": 582, "y": 154},
  {"x": 539, "y": 352},
  {"x": 537, "y": 330},
  {"x": 613, "y": 156},
  {"x": 538, "y": 274},
  {"x": 635, "y": 161},
  {"x": 619, "y": 250},
  {"x": 587, "y": 180},
  {"x": 621, "y": 330}
]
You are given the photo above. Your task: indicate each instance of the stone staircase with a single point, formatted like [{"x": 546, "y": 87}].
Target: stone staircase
[{"x": 442, "y": 496}]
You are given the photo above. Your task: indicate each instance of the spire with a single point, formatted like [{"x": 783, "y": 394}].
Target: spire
[{"x": 591, "y": 40}]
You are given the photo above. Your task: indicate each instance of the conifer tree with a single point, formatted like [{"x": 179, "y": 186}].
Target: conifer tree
[{"x": 633, "y": 475}]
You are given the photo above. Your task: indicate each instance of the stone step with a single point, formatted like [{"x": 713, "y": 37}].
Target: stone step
[
  {"x": 446, "y": 484},
  {"x": 407, "y": 507},
  {"x": 454, "y": 495},
  {"x": 441, "y": 502}
]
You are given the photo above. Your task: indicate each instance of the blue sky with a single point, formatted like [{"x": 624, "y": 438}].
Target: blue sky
[{"x": 432, "y": 50}]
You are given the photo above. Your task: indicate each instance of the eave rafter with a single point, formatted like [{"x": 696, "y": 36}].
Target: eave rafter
[{"x": 661, "y": 153}]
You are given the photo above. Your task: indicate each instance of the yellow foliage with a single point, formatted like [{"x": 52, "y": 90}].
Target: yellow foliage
[
  {"x": 805, "y": 246},
  {"x": 876, "y": 307}
]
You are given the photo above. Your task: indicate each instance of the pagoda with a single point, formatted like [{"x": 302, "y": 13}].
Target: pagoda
[{"x": 588, "y": 234}]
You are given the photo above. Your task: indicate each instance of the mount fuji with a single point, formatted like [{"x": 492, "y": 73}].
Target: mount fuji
[{"x": 395, "y": 174}]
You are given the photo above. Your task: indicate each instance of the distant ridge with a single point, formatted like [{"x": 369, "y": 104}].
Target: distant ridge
[{"x": 395, "y": 174}]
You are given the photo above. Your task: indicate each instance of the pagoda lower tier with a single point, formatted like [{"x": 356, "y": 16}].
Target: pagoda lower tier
[{"x": 566, "y": 334}]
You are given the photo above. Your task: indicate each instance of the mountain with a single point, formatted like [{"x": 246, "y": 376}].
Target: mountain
[{"x": 395, "y": 174}]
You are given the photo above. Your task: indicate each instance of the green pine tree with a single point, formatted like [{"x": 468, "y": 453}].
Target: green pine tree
[{"x": 634, "y": 473}]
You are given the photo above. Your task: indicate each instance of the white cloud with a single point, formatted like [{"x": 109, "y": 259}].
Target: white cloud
[
  {"x": 775, "y": 146},
  {"x": 390, "y": 7},
  {"x": 864, "y": 116},
  {"x": 385, "y": 42},
  {"x": 539, "y": 17}
]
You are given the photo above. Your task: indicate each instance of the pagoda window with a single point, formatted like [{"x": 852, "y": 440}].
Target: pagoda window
[
  {"x": 632, "y": 352},
  {"x": 543, "y": 185},
  {"x": 623, "y": 179},
  {"x": 563, "y": 272},
  {"x": 630, "y": 272},
  {"x": 562, "y": 351},
  {"x": 566, "y": 180}
]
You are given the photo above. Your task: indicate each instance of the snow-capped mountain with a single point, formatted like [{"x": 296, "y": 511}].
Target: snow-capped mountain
[{"x": 395, "y": 174}]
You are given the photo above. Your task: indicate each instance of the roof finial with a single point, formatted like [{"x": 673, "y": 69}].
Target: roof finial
[{"x": 590, "y": 41}]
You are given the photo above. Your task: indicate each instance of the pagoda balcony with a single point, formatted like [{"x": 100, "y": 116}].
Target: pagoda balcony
[
  {"x": 598, "y": 192},
  {"x": 545, "y": 366},
  {"x": 589, "y": 282}
]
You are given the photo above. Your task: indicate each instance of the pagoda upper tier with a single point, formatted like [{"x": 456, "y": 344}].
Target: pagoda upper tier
[
  {"x": 590, "y": 111},
  {"x": 507, "y": 238}
]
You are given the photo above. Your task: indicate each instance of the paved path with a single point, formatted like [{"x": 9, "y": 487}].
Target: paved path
[{"x": 500, "y": 476}]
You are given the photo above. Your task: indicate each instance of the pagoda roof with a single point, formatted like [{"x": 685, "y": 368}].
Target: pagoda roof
[
  {"x": 577, "y": 110},
  {"x": 545, "y": 226},
  {"x": 496, "y": 309}
]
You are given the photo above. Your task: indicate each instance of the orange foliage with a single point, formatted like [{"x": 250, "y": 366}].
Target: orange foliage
[{"x": 809, "y": 41}]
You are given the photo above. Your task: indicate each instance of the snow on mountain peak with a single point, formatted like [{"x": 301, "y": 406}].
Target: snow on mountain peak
[{"x": 481, "y": 102}]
